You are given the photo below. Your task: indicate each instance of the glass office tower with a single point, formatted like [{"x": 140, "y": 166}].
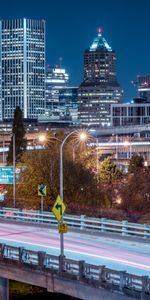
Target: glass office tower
[
  {"x": 100, "y": 87},
  {"x": 61, "y": 99},
  {"x": 22, "y": 67},
  {"x": 56, "y": 78}
]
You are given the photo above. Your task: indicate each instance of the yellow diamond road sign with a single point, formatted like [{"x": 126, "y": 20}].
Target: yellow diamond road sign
[{"x": 58, "y": 208}]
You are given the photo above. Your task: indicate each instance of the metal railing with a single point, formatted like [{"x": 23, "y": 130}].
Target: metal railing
[
  {"x": 97, "y": 276},
  {"x": 82, "y": 222}
]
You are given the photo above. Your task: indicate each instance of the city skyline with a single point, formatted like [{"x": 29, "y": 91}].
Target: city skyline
[{"x": 71, "y": 28}]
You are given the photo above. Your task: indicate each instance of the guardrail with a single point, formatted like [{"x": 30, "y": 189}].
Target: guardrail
[
  {"x": 98, "y": 276},
  {"x": 82, "y": 222}
]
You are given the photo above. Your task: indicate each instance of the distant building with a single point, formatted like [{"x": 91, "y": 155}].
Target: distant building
[
  {"x": 100, "y": 87},
  {"x": 22, "y": 67},
  {"x": 143, "y": 87},
  {"x": 130, "y": 114},
  {"x": 61, "y": 99}
]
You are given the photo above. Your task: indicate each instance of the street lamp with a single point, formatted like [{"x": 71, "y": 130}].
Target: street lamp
[
  {"x": 128, "y": 144},
  {"x": 96, "y": 139},
  {"x": 82, "y": 135},
  {"x": 42, "y": 138},
  {"x": 14, "y": 170}
]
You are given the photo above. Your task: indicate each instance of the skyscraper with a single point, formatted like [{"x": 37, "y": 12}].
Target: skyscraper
[
  {"x": 56, "y": 78},
  {"x": 100, "y": 87},
  {"x": 22, "y": 67},
  {"x": 61, "y": 99}
]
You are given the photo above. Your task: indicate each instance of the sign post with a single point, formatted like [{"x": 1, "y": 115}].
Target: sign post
[
  {"x": 42, "y": 193},
  {"x": 58, "y": 211},
  {"x": 41, "y": 203}
]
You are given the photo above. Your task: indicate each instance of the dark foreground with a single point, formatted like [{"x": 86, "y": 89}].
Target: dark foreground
[{"x": 20, "y": 291}]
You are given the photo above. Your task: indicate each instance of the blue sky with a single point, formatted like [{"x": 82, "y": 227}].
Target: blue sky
[{"x": 72, "y": 25}]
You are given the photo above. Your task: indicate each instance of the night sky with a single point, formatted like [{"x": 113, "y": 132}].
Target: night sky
[{"x": 72, "y": 25}]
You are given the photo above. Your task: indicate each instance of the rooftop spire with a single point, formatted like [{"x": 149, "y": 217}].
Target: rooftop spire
[
  {"x": 99, "y": 42},
  {"x": 99, "y": 30}
]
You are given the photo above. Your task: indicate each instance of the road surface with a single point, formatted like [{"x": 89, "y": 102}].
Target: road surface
[{"x": 118, "y": 254}]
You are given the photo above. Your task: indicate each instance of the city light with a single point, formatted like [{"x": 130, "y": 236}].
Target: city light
[
  {"x": 83, "y": 136},
  {"x": 42, "y": 138}
]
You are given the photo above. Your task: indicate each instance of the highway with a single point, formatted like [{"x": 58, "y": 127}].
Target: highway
[{"x": 118, "y": 254}]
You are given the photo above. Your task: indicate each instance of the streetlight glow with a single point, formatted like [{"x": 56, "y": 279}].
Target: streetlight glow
[
  {"x": 83, "y": 136},
  {"x": 42, "y": 138},
  {"x": 126, "y": 143}
]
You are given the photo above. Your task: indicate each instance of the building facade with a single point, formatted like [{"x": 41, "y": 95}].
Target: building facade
[
  {"x": 61, "y": 99},
  {"x": 22, "y": 67},
  {"x": 100, "y": 87},
  {"x": 130, "y": 114},
  {"x": 143, "y": 87}
]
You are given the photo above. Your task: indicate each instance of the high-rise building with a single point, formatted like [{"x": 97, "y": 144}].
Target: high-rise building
[
  {"x": 22, "y": 67},
  {"x": 143, "y": 87},
  {"x": 61, "y": 99},
  {"x": 56, "y": 78},
  {"x": 100, "y": 87}
]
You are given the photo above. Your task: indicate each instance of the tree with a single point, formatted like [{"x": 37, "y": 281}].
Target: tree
[
  {"x": 108, "y": 171},
  {"x": 136, "y": 163},
  {"x": 20, "y": 141},
  {"x": 110, "y": 178},
  {"x": 135, "y": 193},
  {"x": 80, "y": 186}
]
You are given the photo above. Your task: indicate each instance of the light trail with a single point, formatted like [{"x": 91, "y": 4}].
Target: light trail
[{"x": 114, "y": 253}]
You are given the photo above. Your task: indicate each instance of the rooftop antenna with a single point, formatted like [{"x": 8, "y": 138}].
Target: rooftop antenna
[
  {"x": 99, "y": 30},
  {"x": 60, "y": 60}
]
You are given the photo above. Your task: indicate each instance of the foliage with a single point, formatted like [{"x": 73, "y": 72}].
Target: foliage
[
  {"x": 82, "y": 191},
  {"x": 135, "y": 193},
  {"x": 81, "y": 186},
  {"x": 136, "y": 163},
  {"x": 108, "y": 171},
  {"x": 43, "y": 167},
  {"x": 20, "y": 142}
]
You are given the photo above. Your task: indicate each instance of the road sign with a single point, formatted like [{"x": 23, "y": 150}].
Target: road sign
[
  {"x": 41, "y": 190},
  {"x": 1, "y": 187},
  {"x": 1, "y": 197},
  {"x": 58, "y": 208},
  {"x": 6, "y": 175},
  {"x": 62, "y": 228}
]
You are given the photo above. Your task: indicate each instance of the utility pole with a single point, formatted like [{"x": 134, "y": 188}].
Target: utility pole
[{"x": 14, "y": 170}]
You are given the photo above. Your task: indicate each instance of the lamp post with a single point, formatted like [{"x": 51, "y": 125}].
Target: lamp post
[
  {"x": 96, "y": 139},
  {"x": 82, "y": 136},
  {"x": 43, "y": 138},
  {"x": 97, "y": 159},
  {"x": 116, "y": 146},
  {"x": 128, "y": 144},
  {"x": 3, "y": 148},
  {"x": 14, "y": 170}
]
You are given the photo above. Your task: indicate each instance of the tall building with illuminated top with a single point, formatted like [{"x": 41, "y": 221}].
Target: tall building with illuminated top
[
  {"x": 22, "y": 67},
  {"x": 100, "y": 87}
]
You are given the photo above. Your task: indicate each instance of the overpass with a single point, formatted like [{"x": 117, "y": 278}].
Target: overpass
[
  {"x": 122, "y": 130},
  {"x": 95, "y": 259},
  {"x": 122, "y": 149}
]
